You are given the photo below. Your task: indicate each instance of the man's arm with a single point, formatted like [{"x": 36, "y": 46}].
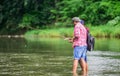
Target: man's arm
[{"x": 76, "y": 34}]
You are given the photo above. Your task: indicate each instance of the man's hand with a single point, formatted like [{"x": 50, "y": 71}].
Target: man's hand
[{"x": 70, "y": 40}]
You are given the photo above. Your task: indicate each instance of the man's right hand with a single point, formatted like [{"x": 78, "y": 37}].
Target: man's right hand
[{"x": 70, "y": 40}]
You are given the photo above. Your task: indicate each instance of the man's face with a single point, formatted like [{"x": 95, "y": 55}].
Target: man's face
[{"x": 74, "y": 22}]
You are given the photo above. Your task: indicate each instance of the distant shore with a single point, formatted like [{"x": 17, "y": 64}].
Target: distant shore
[
  {"x": 12, "y": 36},
  {"x": 96, "y": 31}
]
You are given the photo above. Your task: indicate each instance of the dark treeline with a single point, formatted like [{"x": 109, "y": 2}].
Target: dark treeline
[{"x": 18, "y": 16}]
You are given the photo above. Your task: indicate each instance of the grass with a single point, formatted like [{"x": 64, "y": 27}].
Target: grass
[
  {"x": 55, "y": 32},
  {"x": 97, "y": 31},
  {"x": 105, "y": 31}
]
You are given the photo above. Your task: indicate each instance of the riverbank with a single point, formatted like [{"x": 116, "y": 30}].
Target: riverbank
[
  {"x": 96, "y": 31},
  {"x": 11, "y": 36}
]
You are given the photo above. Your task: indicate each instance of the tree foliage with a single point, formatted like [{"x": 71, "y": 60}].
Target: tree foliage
[
  {"x": 92, "y": 11},
  {"x": 11, "y": 12},
  {"x": 17, "y": 15}
]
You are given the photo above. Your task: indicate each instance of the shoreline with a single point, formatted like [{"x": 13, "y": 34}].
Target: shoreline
[
  {"x": 39, "y": 36},
  {"x": 97, "y": 32},
  {"x": 62, "y": 32},
  {"x": 11, "y": 36}
]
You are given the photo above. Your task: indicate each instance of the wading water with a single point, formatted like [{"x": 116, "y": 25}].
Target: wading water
[{"x": 54, "y": 56}]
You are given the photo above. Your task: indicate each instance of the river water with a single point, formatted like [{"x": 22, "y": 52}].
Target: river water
[{"x": 53, "y": 57}]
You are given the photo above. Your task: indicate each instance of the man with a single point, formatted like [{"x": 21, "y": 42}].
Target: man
[{"x": 79, "y": 45}]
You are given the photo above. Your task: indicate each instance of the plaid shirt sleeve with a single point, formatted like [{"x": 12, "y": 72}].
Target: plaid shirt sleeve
[{"x": 77, "y": 31}]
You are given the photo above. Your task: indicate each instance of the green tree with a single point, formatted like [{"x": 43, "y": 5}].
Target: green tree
[
  {"x": 11, "y": 12},
  {"x": 17, "y": 15}
]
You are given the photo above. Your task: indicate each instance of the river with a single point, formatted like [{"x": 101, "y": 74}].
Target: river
[{"x": 53, "y": 57}]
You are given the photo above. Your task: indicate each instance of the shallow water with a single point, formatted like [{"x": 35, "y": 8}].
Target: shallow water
[{"x": 53, "y": 57}]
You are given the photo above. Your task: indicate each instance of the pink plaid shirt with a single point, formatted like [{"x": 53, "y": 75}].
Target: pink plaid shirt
[{"x": 81, "y": 33}]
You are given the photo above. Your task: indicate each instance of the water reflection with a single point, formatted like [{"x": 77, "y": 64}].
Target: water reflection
[
  {"x": 105, "y": 44},
  {"x": 53, "y": 57}
]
